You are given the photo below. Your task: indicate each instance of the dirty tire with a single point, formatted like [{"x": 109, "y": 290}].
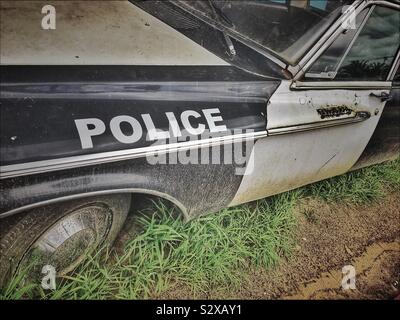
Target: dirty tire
[{"x": 61, "y": 233}]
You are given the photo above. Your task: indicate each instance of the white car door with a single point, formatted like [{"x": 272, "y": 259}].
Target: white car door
[{"x": 319, "y": 124}]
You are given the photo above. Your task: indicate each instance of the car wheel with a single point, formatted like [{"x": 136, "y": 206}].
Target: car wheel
[{"x": 59, "y": 235}]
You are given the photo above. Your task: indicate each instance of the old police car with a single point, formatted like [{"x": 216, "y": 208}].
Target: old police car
[{"x": 207, "y": 104}]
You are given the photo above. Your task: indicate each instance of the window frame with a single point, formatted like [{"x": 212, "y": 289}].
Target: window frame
[
  {"x": 308, "y": 61},
  {"x": 395, "y": 67},
  {"x": 348, "y": 48},
  {"x": 268, "y": 53}
]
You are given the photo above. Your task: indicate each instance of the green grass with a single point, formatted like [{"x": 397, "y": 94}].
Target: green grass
[
  {"x": 212, "y": 251},
  {"x": 209, "y": 251},
  {"x": 359, "y": 187}
]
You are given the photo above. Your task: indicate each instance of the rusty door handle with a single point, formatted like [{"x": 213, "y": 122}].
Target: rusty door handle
[{"x": 383, "y": 96}]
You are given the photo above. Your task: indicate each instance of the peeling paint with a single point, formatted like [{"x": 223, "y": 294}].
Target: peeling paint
[{"x": 336, "y": 111}]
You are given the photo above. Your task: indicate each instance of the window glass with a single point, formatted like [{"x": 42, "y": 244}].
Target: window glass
[
  {"x": 319, "y": 4},
  {"x": 367, "y": 56},
  {"x": 288, "y": 28},
  {"x": 374, "y": 50},
  {"x": 397, "y": 76},
  {"x": 328, "y": 63}
]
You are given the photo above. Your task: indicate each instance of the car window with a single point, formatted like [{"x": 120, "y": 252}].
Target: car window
[
  {"x": 287, "y": 28},
  {"x": 319, "y": 4},
  {"x": 328, "y": 64},
  {"x": 371, "y": 53}
]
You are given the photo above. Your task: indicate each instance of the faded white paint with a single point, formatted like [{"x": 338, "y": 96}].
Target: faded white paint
[
  {"x": 290, "y": 108},
  {"x": 289, "y": 161},
  {"x": 93, "y": 32}
]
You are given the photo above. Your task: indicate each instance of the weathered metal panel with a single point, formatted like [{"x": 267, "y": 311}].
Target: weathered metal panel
[
  {"x": 93, "y": 33},
  {"x": 198, "y": 188},
  {"x": 42, "y": 120},
  {"x": 385, "y": 142},
  {"x": 291, "y": 160},
  {"x": 37, "y": 124}
]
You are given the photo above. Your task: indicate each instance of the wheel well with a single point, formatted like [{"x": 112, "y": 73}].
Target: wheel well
[
  {"x": 142, "y": 201},
  {"x": 136, "y": 193}
]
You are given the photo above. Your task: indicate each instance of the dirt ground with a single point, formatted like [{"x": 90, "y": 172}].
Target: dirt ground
[{"x": 330, "y": 237}]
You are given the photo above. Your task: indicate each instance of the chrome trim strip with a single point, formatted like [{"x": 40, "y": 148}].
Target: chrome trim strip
[
  {"x": 241, "y": 91},
  {"x": 29, "y": 168},
  {"x": 180, "y": 205},
  {"x": 359, "y": 117},
  {"x": 323, "y": 85},
  {"x": 385, "y": 3},
  {"x": 395, "y": 65},
  {"x": 294, "y": 69}
]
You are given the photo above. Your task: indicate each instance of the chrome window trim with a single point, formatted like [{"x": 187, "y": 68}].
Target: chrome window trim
[
  {"x": 360, "y": 28},
  {"x": 330, "y": 36},
  {"x": 29, "y": 168},
  {"x": 297, "y": 70},
  {"x": 363, "y": 85},
  {"x": 395, "y": 66}
]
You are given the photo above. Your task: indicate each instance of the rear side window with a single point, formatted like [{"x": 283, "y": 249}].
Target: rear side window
[{"x": 364, "y": 54}]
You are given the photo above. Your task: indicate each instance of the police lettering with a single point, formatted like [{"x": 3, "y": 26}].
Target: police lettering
[{"x": 190, "y": 119}]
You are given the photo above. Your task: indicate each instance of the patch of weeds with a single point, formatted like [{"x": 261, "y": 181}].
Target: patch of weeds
[
  {"x": 310, "y": 215},
  {"x": 359, "y": 187}
]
